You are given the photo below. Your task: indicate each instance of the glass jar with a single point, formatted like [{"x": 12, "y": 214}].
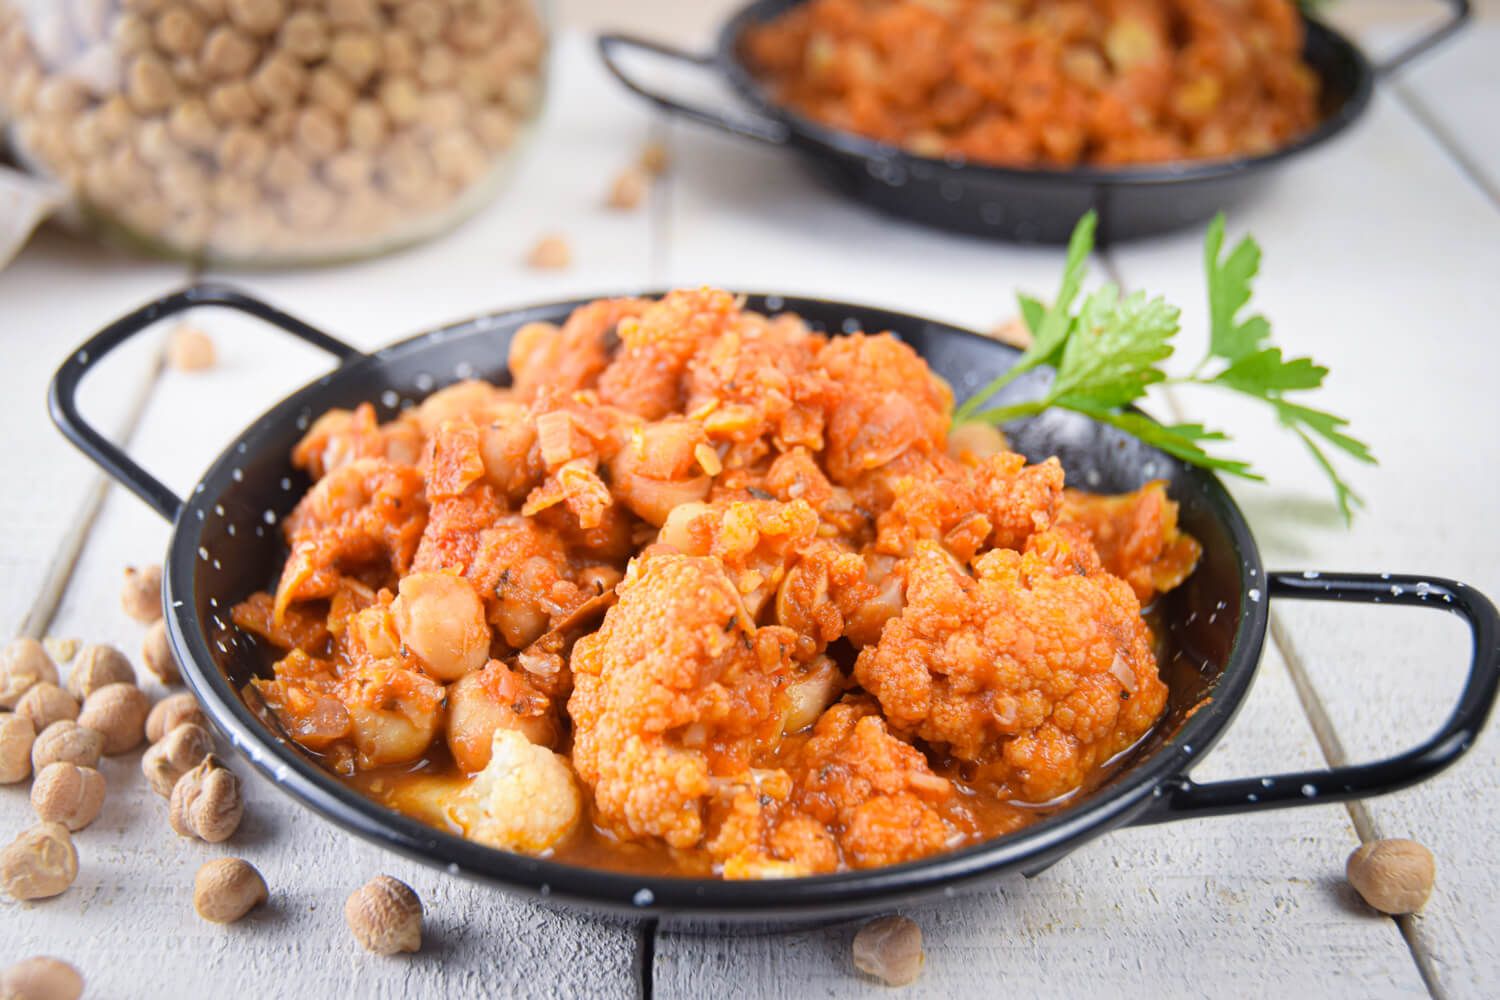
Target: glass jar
[{"x": 261, "y": 132}]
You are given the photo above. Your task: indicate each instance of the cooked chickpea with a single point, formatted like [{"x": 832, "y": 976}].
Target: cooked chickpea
[
  {"x": 174, "y": 755},
  {"x": 890, "y": 949},
  {"x": 1393, "y": 876},
  {"x": 550, "y": 253},
  {"x": 206, "y": 802},
  {"x": 225, "y": 889},
  {"x": 97, "y": 666},
  {"x": 41, "y": 978},
  {"x": 156, "y": 653},
  {"x": 68, "y": 794},
  {"x": 485, "y": 701},
  {"x": 385, "y": 916},
  {"x": 45, "y": 703},
  {"x": 173, "y": 711},
  {"x": 118, "y": 711},
  {"x": 39, "y": 863},
  {"x": 23, "y": 665},
  {"x": 440, "y": 617},
  {"x": 65, "y": 740},
  {"x": 17, "y": 738},
  {"x": 189, "y": 349},
  {"x": 975, "y": 441}
]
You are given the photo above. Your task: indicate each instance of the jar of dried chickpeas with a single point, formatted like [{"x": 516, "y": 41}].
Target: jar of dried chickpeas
[{"x": 271, "y": 131}]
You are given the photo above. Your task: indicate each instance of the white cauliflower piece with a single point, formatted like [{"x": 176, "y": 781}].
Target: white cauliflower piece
[{"x": 525, "y": 799}]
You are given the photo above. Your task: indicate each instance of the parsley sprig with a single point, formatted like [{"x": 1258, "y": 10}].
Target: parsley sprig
[{"x": 1108, "y": 352}]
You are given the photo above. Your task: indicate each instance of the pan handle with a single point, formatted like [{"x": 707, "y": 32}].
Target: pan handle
[
  {"x": 62, "y": 394},
  {"x": 1186, "y": 798},
  {"x": 1458, "y": 16},
  {"x": 766, "y": 130}
]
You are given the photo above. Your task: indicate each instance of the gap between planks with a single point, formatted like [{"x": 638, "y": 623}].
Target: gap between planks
[
  {"x": 1445, "y": 138},
  {"x": 1324, "y": 732},
  {"x": 60, "y": 571}
]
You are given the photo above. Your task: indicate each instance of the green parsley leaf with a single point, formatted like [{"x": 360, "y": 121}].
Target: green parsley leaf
[
  {"x": 1111, "y": 357},
  {"x": 1265, "y": 371},
  {"x": 1228, "y": 293}
]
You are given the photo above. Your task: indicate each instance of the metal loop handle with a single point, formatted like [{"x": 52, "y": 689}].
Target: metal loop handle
[
  {"x": 1459, "y": 12},
  {"x": 62, "y": 394},
  {"x": 766, "y": 130},
  {"x": 1186, "y": 798}
]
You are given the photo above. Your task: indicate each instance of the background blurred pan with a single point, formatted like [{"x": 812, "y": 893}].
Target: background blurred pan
[{"x": 1029, "y": 205}]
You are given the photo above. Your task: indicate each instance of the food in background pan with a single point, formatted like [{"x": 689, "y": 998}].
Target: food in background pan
[{"x": 1055, "y": 83}]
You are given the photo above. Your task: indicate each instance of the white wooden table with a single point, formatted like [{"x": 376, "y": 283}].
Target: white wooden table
[{"x": 1382, "y": 253}]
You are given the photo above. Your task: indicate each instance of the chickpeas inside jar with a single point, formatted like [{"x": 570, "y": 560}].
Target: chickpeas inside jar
[{"x": 267, "y": 131}]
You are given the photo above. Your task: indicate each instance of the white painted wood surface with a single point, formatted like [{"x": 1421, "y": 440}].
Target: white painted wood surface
[{"x": 1389, "y": 288}]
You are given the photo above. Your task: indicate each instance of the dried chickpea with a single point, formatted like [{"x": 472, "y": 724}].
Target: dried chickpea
[
  {"x": 65, "y": 740},
  {"x": 45, "y": 703},
  {"x": 225, "y": 889},
  {"x": 400, "y": 99},
  {"x": 61, "y": 650},
  {"x": 890, "y": 949},
  {"x": 173, "y": 711},
  {"x": 189, "y": 349},
  {"x": 242, "y": 152},
  {"x": 193, "y": 126},
  {"x": 423, "y": 18},
  {"x": 227, "y": 54},
  {"x": 41, "y": 978},
  {"x": 286, "y": 171},
  {"x": 178, "y": 30},
  {"x": 1393, "y": 876},
  {"x": 1014, "y": 332},
  {"x": 550, "y": 253},
  {"x": 305, "y": 35},
  {"x": 319, "y": 134},
  {"x": 628, "y": 189},
  {"x": 328, "y": 88},
  {"x": 149, "y": 85},
  {"x": 385, "y": 916},
  {"x": 279, "y": 80},
  {"x": 68, "y": 794},
  {"x": 17, "y": 737},
  {"x": 174, "y": 755},
  {"x": 258, "y": 17},
  {"x": 367, "y": 125},
  {"x": 352, "y": 13},
  {"x": 156, "y": 652},
  {"x": 206, "y": 802},
  {"x": 356, "y": 54},
  {"x": 39, "y": 863},
  {"x": 655, "y": 159},
  {"x": 119, "y": 712},
  {"x": 233, "y": 102},
  {"x": 141, "y": 594},
  {"x": 23, "y": 665},
  {"x": 97, "y": 666}
]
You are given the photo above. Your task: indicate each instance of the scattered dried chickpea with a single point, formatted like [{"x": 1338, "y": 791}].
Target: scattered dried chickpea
[
  {"x": 156, "y": 653},
  {"x": 189, "y": 349},
  {"x": 17, "y": 737},
  {"x": 628, "y": 189},
  {"x": 65, "y": 740},
  {"x": 177, "y": 753},
  {"x": 225, "y": 889},
  {"x": 118, "y": 711},
  {"x": 1014, "y": 332},
  {"x": 68, "y": 794},
  {"x": 655, "y": 159},
  {"x": 41, "y": 978},
  {"x": 23, "y": 665},
  {"x": 550, "y": 253},
  {"x": 61, "y": 650},
  {"x": 1393, "y": 876},
  {"x": 385, "y": 916},
  {"x": 97, "y": 666},
  {"x": 39, "y": 863},
  {"x": 173, "y": 711},
  {"x": 890, "y": 949},
  {"x": 206, "y": 802},
  {"x": 45, "y": 703}
]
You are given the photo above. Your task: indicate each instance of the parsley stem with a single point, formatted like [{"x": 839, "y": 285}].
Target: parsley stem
[
  {"x": 1005, "y": 414},
  {"x": 966, "y": 411}
]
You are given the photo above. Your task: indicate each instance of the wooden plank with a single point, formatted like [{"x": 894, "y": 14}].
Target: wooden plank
[
  {"x": 1391, "y": 291},
  {"x": 1262, "y": 918},
  {"x": 55, "y": 293},
  {"x": 1246, "y": 906}
]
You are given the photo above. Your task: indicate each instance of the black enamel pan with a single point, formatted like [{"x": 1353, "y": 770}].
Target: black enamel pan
[
  {"x": 1027, "y": 205},
  {"x": 224, "y": 545}
]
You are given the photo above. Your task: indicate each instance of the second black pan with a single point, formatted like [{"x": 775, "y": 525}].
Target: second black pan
[{"x": 1021, "y": 204}]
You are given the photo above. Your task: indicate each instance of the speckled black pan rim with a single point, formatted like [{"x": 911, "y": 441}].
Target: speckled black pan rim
[
  {"x": 853, "y": 145},
  {"x": 1128, "y": 798}
]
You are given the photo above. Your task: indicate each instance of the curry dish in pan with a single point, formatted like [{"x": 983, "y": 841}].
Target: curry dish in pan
[{"x": 706, "y": 592}]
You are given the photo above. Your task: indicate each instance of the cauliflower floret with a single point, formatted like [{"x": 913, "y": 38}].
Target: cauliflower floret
[
  {"x": 676, "y": 691},
  {"x": 1038, "y": 670},
  {"x": 525, "y": 799},
  {"x": 1136, "y": 535}
]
